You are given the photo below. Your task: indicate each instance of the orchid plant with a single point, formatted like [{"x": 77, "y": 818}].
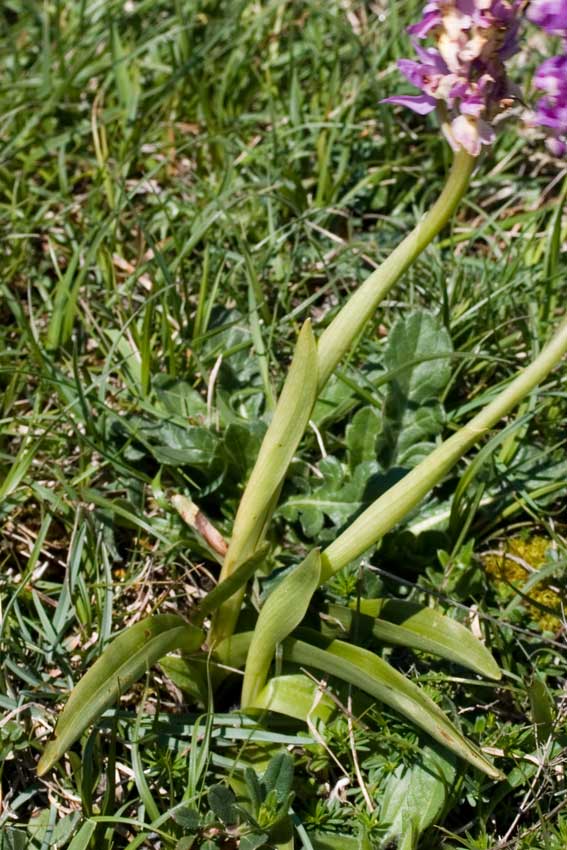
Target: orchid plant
[{"x": 462, "y": 48}]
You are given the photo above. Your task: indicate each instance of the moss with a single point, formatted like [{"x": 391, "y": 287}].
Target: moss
[{"x": 509, "y": 576}]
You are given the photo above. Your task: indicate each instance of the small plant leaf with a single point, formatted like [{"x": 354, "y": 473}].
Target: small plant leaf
[
  {"x": 278, "y": 776},
  {"x": 254, "y": 788},
  {"x": 188, "y": 818},
  {"x": 361, "y": 436},
  {"x": 253, "y": 840},
  {"x": 542, "y": 708},
  {"x": 122, "y": 663},
  {"x": 418, "y": 354},
  {"x": 284, "y": 609},
  {"x": 82, "y": 839},
  {"x": 414, "y": 797},
  {"x": 222, "y": 802}
]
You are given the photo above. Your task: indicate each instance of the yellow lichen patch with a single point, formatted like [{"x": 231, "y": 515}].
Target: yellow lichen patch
[{"x": 510, "y": 575}]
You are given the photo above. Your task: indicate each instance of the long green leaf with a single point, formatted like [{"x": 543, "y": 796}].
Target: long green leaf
[
  {"x": 282, "y": 612},
  {"x": 376, "y": 677},
  {"x": 122, "y": 663},
  {"x": 412, "y": 625},
  {"x": 371, "y": 674},
  {"x": 278, "y": 448}
]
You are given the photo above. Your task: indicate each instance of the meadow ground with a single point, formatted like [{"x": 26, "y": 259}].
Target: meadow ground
[{"x": 182, "y": 183}]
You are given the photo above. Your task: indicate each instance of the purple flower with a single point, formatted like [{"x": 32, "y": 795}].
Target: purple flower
[
  {"x": 549, "y": 14},
  {"x": 462, "y": 74},
  {"x": 551, "y": 110}
]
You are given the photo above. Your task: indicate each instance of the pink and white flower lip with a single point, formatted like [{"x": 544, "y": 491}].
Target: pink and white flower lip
[{"x": 462, "y": 74}]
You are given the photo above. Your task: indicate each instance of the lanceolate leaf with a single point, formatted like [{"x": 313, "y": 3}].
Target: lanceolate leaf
[
  {"x": 278, "y": 447},
  {"x": 121, "y": 664},
  {"x": 282, "y": 612},
  {"x": 376, "y": 677},
  {"x": 408, "y": 624}
]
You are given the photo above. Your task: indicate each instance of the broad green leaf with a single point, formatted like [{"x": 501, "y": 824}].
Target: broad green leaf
[
  {"x": 179, "y": 398},
  {"x": 222, "y": 801},
  {"x": 415, "y": 797},
  {"x": 418, "y": 354},
  {"x": 278, "y": 776},
  {"x": 376, "y": 677},
  {"x": 120, "y": 665},
  {"x": 336, "y": 841},
  {"x": 338, "y": 496},
  {"x": 542, "y": 708},
  {"x": 416, "y": 626},
  {"x": 253, "y": 840},
  {"x": 361, "y": 436},
  {"x": 282, "y": 612},
  {"x": 169, "y": 442},
  {"x": 296, "y": 696}
]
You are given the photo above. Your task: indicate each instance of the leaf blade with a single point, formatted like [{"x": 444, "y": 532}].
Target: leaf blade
[
  {"x": 282, "y": 612},
  {"x": 376, "y": 677},
  {"x": 123, "y": 662}
]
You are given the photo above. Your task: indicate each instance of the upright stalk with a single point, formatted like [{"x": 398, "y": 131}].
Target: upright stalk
[
  {"x": 335, "y": 341},
  {"x": 395, "y": 504},
  {"x": 348, "y": 323}
]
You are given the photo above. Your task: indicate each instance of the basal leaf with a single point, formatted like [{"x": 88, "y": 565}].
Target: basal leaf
[
  {"x": 409, "y": 624},
  {"x": 296, "y": 696},
  {"x": 121, "y": 664},
  {"x": 282, "y": 612},
  {"x": 278, "y": 448},
  {"x": 418, "y": 354},
  {"x": 376, "y": 677},
  {"x": 372, "y": 675}
]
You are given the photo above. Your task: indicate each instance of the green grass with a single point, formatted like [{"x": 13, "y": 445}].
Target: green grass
[{"x": 185, "y": 181}]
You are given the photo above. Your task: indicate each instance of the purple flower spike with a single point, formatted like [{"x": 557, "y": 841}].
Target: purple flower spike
[{"x": 463, "y": 73}]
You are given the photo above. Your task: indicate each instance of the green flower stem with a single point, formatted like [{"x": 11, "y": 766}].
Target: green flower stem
[
  {"x": 349, "y": 322},
  {"x": 395, "y": 504}
]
